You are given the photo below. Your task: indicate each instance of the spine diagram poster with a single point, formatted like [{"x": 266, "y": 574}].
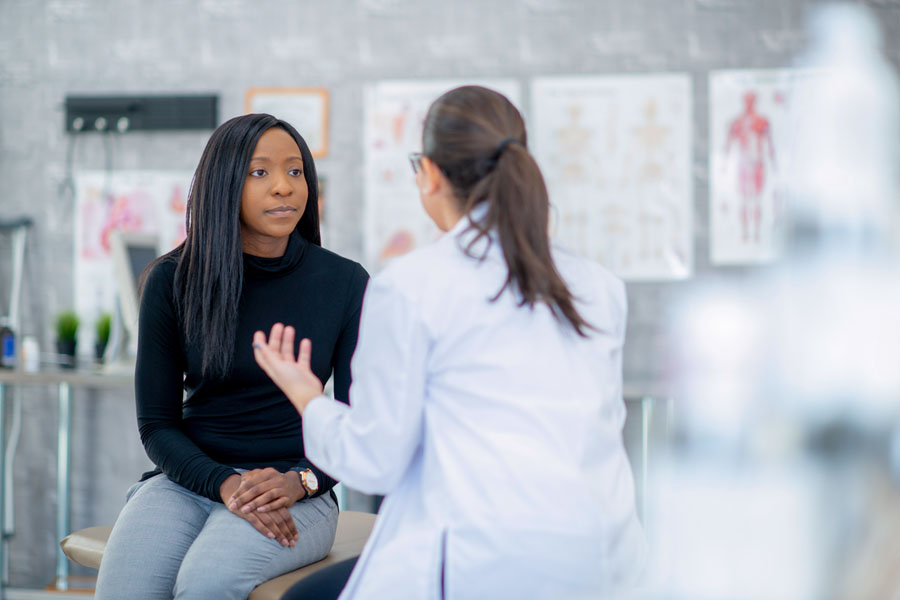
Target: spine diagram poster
[
  {"x": 749, "y": 134},
  {"x": 616, "y": 155},
  {"x": 394, "y": 220},
  {"x": 148, "y": 202}
]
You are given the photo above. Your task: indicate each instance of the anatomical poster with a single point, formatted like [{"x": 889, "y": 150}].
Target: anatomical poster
[
  {"x": 394, "y": 220},
  {"x": 146, "y": 202},
  {"x": 749, "y": 131},
  {"x": 615, "y": 152}
]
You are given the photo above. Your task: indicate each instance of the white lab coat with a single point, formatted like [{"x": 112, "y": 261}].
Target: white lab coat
[{"x": 493, "y": 430}]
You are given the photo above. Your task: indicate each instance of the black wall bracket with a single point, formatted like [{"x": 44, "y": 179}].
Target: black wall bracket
[{"x": 141, "y": 113}]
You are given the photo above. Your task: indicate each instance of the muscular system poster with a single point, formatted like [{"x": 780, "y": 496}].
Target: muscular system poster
[{"x": 749, "y": 134}]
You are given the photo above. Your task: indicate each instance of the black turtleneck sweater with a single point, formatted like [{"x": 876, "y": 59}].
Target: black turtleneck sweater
[{"x": 198, "y": 429}]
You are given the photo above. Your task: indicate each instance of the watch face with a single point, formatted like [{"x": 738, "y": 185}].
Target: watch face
[{"x": 312, "y": 482}]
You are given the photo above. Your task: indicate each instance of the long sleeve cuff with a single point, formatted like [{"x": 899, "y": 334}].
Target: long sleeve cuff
[
  {"x": 213, "y": 492},
  {"x": 318, "y": 413}
]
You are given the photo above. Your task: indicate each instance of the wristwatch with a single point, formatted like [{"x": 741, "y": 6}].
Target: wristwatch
[{"x": 309, "y": 481}]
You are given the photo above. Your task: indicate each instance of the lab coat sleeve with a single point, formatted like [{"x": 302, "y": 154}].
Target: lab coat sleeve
[{"x": 369, "y": 445}]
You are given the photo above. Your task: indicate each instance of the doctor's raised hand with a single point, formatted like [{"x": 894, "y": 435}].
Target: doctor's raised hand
[{"x": 276, "y": 357}]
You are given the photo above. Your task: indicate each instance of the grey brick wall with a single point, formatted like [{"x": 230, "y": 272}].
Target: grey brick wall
[{"x": 50, "y": 48}]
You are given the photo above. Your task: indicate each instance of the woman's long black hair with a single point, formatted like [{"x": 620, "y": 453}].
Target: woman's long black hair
[
  {"x": 210, "y": 268},
  {"x": 477, "y": 138}
]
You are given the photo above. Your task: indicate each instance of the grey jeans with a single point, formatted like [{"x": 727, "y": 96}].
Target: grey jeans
[{"x": 169, "y": 542}]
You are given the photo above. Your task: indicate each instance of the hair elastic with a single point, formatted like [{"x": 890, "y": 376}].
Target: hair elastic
[{"x": 503, "y": 146}]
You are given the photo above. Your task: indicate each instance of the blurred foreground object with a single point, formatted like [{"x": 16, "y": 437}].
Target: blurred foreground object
[{"x": 782, "y": 480}]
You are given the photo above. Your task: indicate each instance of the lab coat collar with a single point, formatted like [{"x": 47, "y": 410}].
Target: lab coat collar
[
  {"x": 475, "y": 215},
  {"x": 462, "y": 234}
]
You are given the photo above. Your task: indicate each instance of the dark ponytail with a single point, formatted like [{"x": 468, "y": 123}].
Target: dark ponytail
[{"x": 477, "y": 138}]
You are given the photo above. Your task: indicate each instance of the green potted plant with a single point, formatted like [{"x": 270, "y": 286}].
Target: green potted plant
[
  {"x": 66, "y": 336},
  {"x": 101, "y": 330}
]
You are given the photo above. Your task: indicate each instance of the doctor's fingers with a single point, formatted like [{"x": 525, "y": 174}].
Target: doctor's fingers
[
  {"x": 263, "y": 354},
  {"x": 287, "y": 344},
  {"x": 305, "y": 354},
  {"x": 275, "y": 336},
  {"x": 259, "y": 339}
]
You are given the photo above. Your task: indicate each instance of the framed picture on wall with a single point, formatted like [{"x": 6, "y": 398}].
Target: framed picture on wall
[{"x": 304, "y": 108}]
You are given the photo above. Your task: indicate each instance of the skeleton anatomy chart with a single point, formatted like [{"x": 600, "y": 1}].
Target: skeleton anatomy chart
[
  {"x": 395, "y": 222},
  {"x": 749, "y": 133},
  {"x": 151, "y": 202},
  {"x": 616, "y": 155}
]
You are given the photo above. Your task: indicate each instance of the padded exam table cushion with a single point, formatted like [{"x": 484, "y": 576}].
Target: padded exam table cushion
[{"x": 86, "y": 547}]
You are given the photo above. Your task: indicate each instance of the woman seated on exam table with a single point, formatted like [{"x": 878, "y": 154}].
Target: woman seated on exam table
[
  {"x": 209, "y": 418},
  {"x": 486, "y": 402}
]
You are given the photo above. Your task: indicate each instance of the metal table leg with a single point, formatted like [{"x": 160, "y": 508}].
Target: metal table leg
[{"x": 62, "y": 483}]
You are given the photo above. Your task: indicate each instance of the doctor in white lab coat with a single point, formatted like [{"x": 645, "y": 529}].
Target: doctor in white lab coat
[{"x": 486, "y": 402}]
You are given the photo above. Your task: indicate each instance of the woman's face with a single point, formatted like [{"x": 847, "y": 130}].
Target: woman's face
[{"x": 274, "y": 195}]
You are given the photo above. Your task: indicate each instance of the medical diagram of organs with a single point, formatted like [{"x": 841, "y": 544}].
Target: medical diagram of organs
[{"x": 750, "y": 137}]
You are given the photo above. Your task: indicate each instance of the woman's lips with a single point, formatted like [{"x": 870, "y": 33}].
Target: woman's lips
[{"x": 281, "y": 211}]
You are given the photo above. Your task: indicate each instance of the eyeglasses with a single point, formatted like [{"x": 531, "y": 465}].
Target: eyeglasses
[{"x": 415, "y": 159}]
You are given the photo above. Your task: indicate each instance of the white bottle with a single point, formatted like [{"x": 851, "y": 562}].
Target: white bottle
[{"x": 31, "y": 354}]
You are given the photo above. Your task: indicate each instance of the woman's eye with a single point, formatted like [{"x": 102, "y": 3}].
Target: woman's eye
[
  {"x": 296, "y": 172},
  {"x": 257, "y": 172}
]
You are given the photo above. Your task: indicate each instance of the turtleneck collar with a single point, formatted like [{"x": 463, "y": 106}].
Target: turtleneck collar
[{"x": 260, "y": 267}]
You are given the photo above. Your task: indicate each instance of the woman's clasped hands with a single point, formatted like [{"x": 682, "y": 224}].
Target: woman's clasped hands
[{"x": 263, "y": 497}]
